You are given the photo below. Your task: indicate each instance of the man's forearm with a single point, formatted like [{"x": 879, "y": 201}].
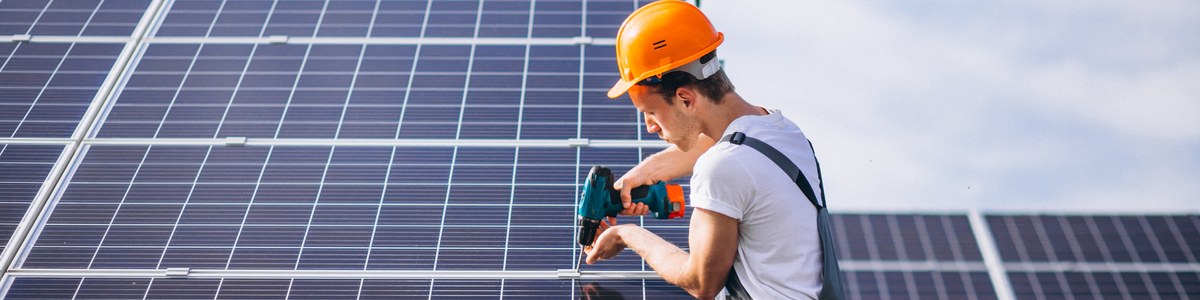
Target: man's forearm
[
  {"x": 668, "y": 260},
  {"x": 674, "y": 162}
]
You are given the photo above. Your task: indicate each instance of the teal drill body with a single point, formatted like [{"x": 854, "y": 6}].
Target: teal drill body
[{"x": 600, "y": 200}]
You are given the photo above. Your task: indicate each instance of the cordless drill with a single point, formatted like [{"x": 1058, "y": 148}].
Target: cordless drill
[{"x": 599, "y": 200}]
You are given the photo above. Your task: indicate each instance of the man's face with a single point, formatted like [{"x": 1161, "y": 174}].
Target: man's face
[{"x": 671, "y": 122}]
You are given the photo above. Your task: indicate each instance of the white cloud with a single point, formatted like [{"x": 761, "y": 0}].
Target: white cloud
[{"x": 956, "y": 106}]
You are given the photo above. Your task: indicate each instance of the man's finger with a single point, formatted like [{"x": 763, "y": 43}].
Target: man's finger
[
  {"x": 591, "y": 257},
  {"x": 626, "y": 199}
]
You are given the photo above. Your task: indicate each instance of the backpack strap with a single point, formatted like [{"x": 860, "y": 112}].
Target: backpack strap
[{"x": 832, "y": 286}]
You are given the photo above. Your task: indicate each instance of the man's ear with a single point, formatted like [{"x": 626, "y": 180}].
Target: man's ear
[{"x": 687, "y": 97}]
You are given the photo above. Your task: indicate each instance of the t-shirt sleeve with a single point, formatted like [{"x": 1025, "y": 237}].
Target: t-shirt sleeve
[{"x": 721, "y": 184}]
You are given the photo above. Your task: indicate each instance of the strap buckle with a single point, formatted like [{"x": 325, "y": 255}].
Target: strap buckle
[{"x": 737, "y": 138}]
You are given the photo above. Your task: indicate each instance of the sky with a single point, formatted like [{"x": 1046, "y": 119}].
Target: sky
[{"x": 1000, "y": 106}]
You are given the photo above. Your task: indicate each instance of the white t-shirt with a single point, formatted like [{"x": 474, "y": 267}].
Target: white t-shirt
[{"x": 779, "y": 251}]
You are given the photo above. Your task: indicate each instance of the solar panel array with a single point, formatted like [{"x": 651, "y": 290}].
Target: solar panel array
[
  {"x": 1127, "y": 257},
  {"x": 382, "y": 149}
]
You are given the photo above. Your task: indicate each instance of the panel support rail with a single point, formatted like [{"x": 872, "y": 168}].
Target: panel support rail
[
  {"x": 991, "y": 256},
  {"x": 328, "y": 274}
]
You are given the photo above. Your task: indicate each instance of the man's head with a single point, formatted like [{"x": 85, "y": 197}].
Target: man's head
[
  {"x": 666, "y": 55},
  {"x": 674, "y": 107}
]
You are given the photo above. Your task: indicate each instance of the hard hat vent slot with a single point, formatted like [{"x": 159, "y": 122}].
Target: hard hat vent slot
[{"x": 660, "y": 44}]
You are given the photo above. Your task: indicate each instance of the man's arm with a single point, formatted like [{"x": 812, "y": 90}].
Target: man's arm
[
  {"x": 665, "y": 165},
  {"x": 712, "y": 240}
]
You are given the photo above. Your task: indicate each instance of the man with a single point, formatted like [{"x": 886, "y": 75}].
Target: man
[{"x": 748, "y": 215}]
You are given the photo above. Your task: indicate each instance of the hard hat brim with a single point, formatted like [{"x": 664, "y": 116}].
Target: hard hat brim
[{"x": 619, "y": 88}]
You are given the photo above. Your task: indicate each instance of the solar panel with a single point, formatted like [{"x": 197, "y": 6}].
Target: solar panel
[
  {"x": 503, "y": 18},
  {"x": 46, "y": 88},
  {"x": 365, "y": 91},
  {"x": 393, "y": 145},
  {"x": 1130, "y": 257},
  {"x": 355, "y": 208},
  {"x": 23, "y": 169},
  {"x": 42, "y": 288},
  {"x": 1106, "y": 285},
  {"x": 906, "y": 238},
  {"x": 71, "y": 18},
  {"x": 1122, "y": 239},
  {"x": 919, "y": 285}
]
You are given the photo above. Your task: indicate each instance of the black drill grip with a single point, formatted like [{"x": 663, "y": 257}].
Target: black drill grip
[{"x": 636, "y": 193}]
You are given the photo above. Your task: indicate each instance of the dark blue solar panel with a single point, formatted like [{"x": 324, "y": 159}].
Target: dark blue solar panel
[
  {"x": 905, "y": 237},
  {"x": 411, "y": 208},
  {"x": 65, "y": 288},
  {"x": 918, "y": 285},
  {"x": 1106, "y": 285},
  {"x": 201, "y": 91},
  {"x": 495, "y": 18},
  {"x": 321, "y": 208},
  {"x": 1150, "y": 238},
  {"x": 23, "y": 168},
  {"x": 604, "y": 17},
  {"x": 558, "y": 19},
  {"x": 71, "y": 18},
  {"x": 505, "y": 18},
  {"x": 46, "y": 88}
]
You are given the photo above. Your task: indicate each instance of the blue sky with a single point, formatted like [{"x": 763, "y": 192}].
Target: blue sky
[{"x": 1029, "y": 106}]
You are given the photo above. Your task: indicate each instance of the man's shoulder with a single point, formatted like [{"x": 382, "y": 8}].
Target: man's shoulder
[{"x": 723, "y": 158}]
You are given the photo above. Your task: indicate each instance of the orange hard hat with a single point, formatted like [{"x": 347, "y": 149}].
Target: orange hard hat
[{"x": 661, "y": 37}]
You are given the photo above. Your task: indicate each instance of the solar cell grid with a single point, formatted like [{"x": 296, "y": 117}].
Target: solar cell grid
[
  {"x": 66, "y": 288},
  {"x": 23, "y": 169},
  {"x": 1106, "y": 285},
  {"x": 212, "y": 91},
  {"x": 488, "y": 209},
  {"x": 322, "y": 208},
  {"x": 71, "y": 18},
  {"x": 1150, "y": 239},
  {"x": 918, "y": 285},
  {"x": 46, "y": 88},
  {"x": 501, "y": 18},
  {"x": 446, "y": 18},
  {"x": 905, "y": 237}
]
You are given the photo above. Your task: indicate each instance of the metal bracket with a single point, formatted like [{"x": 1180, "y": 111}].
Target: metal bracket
[
  {"x": 578, "y": 143},
  {"x": 21, "y": 38},
  {"x": 235, "y": 141},
  {"x": 178, "y": 272},
  {"x": 277, "y": 39},
  {"x": 583, "y": 40},
  {"x": 568, "y": 273}
]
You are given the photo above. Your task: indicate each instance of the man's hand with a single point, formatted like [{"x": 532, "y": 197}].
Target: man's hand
[
  {"x": 608, "y": 244},
  {"x": 638, "y": 176}
]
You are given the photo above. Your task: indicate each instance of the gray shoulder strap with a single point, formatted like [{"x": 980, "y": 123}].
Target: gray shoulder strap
[
  {"x": 793, "y": 172},
  {"x": 832, "y": 286}
]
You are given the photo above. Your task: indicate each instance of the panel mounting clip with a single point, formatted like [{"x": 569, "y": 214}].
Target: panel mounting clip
[
  {"x": 568, "y": 274},
  {"x": 582, "y": 40},
  {"x": 578, "y": 143},
  {"x": 235, "y": 141},
  {"x": 21, "y": 38},
  {"x": 277, "y": 39},
  {"x": 178, "y": 272}
]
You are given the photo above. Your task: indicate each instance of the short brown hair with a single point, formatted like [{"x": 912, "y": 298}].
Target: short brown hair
[{"x": 714, "y": 87}]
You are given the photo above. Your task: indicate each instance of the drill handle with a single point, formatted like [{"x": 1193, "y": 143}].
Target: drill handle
[
  {"x": 664, "y": 200},
  {"x": 636, "y": 195}
]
